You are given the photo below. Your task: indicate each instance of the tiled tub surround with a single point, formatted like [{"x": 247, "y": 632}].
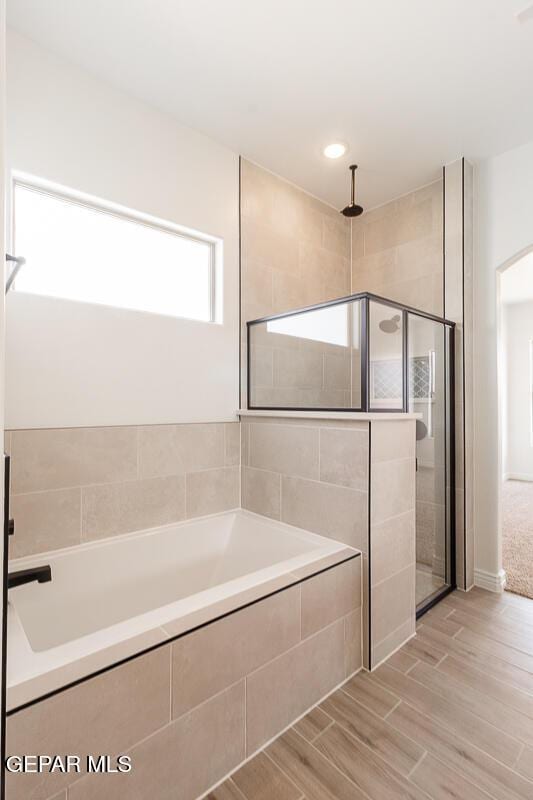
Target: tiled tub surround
[
  {"x": 350, "y": 476},
  {"x": 111, "y": 599},
  {"x": 190, "y": 711},
  {"x": 73, "y": 485}
]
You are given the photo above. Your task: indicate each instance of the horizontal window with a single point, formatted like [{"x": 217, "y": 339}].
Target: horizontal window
[{"x": 84, "y": 252}]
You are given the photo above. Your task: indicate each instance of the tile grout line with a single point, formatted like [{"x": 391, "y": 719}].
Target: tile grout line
[
  {"x": 392, "y": 709},
  {"x": 412, "y": 770}
]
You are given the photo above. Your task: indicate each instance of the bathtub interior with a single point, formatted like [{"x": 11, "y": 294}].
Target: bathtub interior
[{"x": 98, "y": 585}]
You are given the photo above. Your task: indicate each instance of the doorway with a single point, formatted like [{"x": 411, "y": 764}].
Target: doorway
[{"x": 515, "y": 347}]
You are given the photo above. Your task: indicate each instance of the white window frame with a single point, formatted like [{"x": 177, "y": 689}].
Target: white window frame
[{"x": 100, "y": 205}]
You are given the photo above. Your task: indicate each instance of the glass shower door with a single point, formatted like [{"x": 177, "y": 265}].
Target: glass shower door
[{"x": 429, "y": 396}]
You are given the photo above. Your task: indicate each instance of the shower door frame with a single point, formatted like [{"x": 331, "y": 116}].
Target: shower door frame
[{"x": 365, "y": 298}]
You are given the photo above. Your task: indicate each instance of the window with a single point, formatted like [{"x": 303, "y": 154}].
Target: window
[
  {"x": 328, "y": 325},
  {"x": 89, "y": 253}
]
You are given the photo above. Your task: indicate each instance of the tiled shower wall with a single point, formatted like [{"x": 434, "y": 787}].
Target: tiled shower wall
[
  {"x": 397, "y": 250},
  {"x": 295, "y": 251},
  {"x": 72, "y": 485}
]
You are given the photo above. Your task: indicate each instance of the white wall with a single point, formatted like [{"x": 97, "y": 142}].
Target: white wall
[
  {"x": 73, "y": 364},
  {"x": 517, "y": 331},
  {"x": 504, "y": 225}
]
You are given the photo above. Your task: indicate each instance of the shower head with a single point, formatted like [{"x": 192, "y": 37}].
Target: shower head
[
  {"x": 353, "y": 210},
  {"x": 390, "y": 325}
]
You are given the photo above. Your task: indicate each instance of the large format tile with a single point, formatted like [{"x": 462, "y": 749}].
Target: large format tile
[
  {"x": 212, "y": 490},
  {"x": 393, "y": 545},
  {"x": 116, "y": 508},
  {"x": 330, "y": 595},
  {"x": 261, "y": 491},
  {"x": 392, "y": 489},
  {"x": 333, "y": 511},
  {"x": 393, "y": 604},
  {"x": 45, "y": 521},
  {"x": 182, "y": 760},
  {"x": 64, "y": 457},
  {"x": 283, "y": 689},
  {"x": 291, "y": 450},
  {"x": 393, "y": 440},
  {"x": 344, "y": 457},
  {"x": 107, "y": 714},
  {"x": 175, "y": 449},
  {"x": 242, "y": 642}
]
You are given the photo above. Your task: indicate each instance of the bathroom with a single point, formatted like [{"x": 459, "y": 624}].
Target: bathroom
[{"x": 239, "y": 436}]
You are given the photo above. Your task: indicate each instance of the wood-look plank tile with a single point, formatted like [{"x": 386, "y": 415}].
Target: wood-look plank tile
[
  {"x": 487, "y": 645},
  {"x": 443, "y": 624},
  {"x": 502, "y": 618},
  {"x": 483, "y": 770},
  {"x": 226, "y": 791},
  {"x": 402, "y": 661},
  {"x": 384, "y": 741},
  {"x": 444, "y": 783},
  {"x": 370, "y": 694},
  {"x": 424, "y": 651},
  {"x": 312, "y": 724},
  {"x": 518, "y": 614},
  {"x": 499, "y": 631},
  {"x": 451, "y": 713},
  {"x": 261, "y": 779},
  {"x": 497, "y": 667},
  {"x": 503, "y": 718},
  {"x": 524, "y": 765},
  {"x": 482, "y": 682},
  {"x": 314, "y": 774},
  {"x": 373, "y": 775}
]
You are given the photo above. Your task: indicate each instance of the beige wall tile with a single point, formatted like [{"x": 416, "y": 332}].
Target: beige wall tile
[
  {"x": 106, "y": 714},
  {"x": 336, "y": 236},
  {"x": 330, "y": 595},
  {"x": 392, "y": 489},
  {"x": 393, "y": 603},
  {"x": 393, "y": 545},
  {"x": 296, "y": 368},
  {"x": 334, "y": 511},
  {"x": 285, "y": 688},
  {"x": 175, "y": 449},
  {"x": 344, "y": 457},
  {"x": 212, "y": 490},
  {"x": 353, "y": 642},
  {"x": 183, "y": 760},
  {"x": 60, "y": 458},
  {"x": 261, "y": 492},
  {"x": 116, "y": 508},
  {"x": 45, "y": 521},
  {"x": 292, "y": 450},
  {"x": 393, "y": 439},
  {"x": 218, "y": 655},
  {"x": 232, "y": 444},
  {"x": 381, "y": 650}
]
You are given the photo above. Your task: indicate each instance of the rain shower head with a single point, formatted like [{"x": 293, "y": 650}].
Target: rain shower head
[
  {"x": 353, "y": 210},
  {"x": 390, "y": 325}
]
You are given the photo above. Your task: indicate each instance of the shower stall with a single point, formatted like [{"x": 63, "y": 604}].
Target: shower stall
[{"x": 370, "y": 354}]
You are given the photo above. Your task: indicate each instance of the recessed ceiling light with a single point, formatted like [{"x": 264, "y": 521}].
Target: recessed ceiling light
[{"x": 335, "y": 150}]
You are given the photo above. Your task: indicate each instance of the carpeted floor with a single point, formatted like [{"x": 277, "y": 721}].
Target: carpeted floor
[{"x": 517, "y": 530}]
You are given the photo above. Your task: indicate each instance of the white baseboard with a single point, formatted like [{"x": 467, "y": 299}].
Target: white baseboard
[
  {"x": 518, "y": 476},
  {"x": 491, "y": 581}
]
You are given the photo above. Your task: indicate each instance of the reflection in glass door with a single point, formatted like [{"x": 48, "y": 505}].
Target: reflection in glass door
[{"x": 429, "y": 396}]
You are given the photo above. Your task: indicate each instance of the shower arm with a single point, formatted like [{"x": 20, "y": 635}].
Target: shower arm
[{"x": 18, "y": 262}]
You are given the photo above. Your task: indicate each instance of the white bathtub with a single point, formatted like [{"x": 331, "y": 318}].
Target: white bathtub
[{"x": 113, "y": 598}]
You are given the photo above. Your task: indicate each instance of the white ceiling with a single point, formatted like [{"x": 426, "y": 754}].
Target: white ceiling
[
  {"x": 408, "y": 84},
  {"x": 516, "y": 285}
]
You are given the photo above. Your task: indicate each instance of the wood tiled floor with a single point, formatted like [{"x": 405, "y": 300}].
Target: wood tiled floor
[{"x": 448, "y": 717}]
